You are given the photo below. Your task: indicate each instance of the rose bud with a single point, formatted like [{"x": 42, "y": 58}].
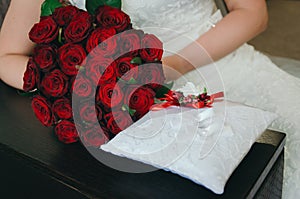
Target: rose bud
[
  {"x": 31, "y": 76},
  {"x": 88, "y": 112},
  {"x": 203, "y": 96},
  {"x": 95, "y": 67},
  {"x": 71, "y": 56},
  {"x": 107, "y": 17},
  {"x": 109, "y": 74},
  {"x": 110, "y": 95},
  {"x": 125, "y": 69},
  {"x": 82, "y": 86},
  {"x": 44, "y": 32},
  {"x": 151, "y": 74},
  {"x": 63, "y": 15},
  {"x": 107, "y": 48},
  {"x": 98, "y": 36},
  {"x": 151, "y": 48},
  {"x": 45, "y": 57},
  {"x": 42, "y": 110},
  {"x": 129, "y": 42},
  {"x": 54, "y": 84},
  {"x": 94, "y": 137},
  {"x": 79, "y": 27},
  {"x": 118, "y": 121},
  {"x": 139, "y": 99},
  {"x": 66, "y": 132},
  {"x": 62, "y": 108}
]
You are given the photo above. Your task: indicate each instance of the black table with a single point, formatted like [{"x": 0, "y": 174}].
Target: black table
[{"x": 34, "y": 164}]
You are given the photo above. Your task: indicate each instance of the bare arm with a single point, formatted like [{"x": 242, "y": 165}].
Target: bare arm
[
  {"x": 15, "y": 45},
  {"x": 247, "y": 18}
]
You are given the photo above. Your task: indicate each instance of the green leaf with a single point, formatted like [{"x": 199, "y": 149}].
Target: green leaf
[
  {"x": 91, "y": 5},
  {"x": 132, "y": 81},
  {"x": 60, "y": 35},
  {"x": 49, "y": 6},
  {"x": 164, "y": 90},
  {"x": 136, "y": 60},
  {"x": 129, "y": 110}
]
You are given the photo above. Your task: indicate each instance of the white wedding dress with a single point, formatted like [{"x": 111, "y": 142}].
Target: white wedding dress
[{"x": 248, "y": 76}]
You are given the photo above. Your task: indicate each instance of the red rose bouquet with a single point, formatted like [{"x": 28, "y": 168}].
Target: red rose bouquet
[{"x": 93, "y": 75}]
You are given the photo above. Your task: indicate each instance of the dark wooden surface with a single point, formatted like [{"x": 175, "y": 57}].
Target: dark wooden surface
[
  {"x": 3, "y": 7},
  {"x": 34, "y": 164}
]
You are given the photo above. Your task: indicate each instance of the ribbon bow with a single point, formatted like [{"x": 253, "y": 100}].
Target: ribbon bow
[{"x": 176, "y": 98}]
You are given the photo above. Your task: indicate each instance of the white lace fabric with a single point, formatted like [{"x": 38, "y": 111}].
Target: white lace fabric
[
  {"x": 249, "y": 77},
  {"x": 173, "y": 140}
]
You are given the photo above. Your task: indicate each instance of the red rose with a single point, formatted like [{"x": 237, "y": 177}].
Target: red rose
[
  {"x": 152, "y": 74},
  {"x": 44, "y": 32},
  {"x": 110, "y": 95},
  {"x": 70, "y": 57},
  {"x": 62, "y": 108},
  {"x": 82, "y": 86},
  {"x": 130, "y": 42},
  {"x": 31, "y": 76},
  {"x": 79, "y": 27},
  {"x": 108, "y": 17},
  {"x": 118, "y": 121},
  {"x": 95, "y": 68},
  {"x": 66, "y": 132},
  {"x": 45, "y": 57},
  {"x": 54, "y": 84},
  {"x": 108, "y": 75},
  {"x": 107, "y": 48},
  {"x": 139, "y": 99},
  {"x": 88, "y": 112},
  {"x": 102, "y": 44},
  {"x": 94, "y": 137},
  {"x": 125, "y": 69},
  {"x": 63, "y": 15},
  {"x": 98, "y": 36},
  {"x": 42, "y": 110},
  {"x": 151, "y": 48}
]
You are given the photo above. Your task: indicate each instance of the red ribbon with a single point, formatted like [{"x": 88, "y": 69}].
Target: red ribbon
[{"x": 170, "y": 100}]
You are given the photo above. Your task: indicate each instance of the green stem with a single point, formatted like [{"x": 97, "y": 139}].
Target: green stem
[{"x": 60, "y": 35}]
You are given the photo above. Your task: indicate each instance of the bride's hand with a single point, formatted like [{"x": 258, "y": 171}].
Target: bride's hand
[{"x": 175, "y": 66}]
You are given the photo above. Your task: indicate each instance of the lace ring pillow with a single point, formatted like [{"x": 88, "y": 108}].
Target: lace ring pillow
[{"x": 201, "y": 145}]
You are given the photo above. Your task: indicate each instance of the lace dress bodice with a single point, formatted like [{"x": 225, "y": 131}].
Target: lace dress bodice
[{"x": 171, "y": 16}]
